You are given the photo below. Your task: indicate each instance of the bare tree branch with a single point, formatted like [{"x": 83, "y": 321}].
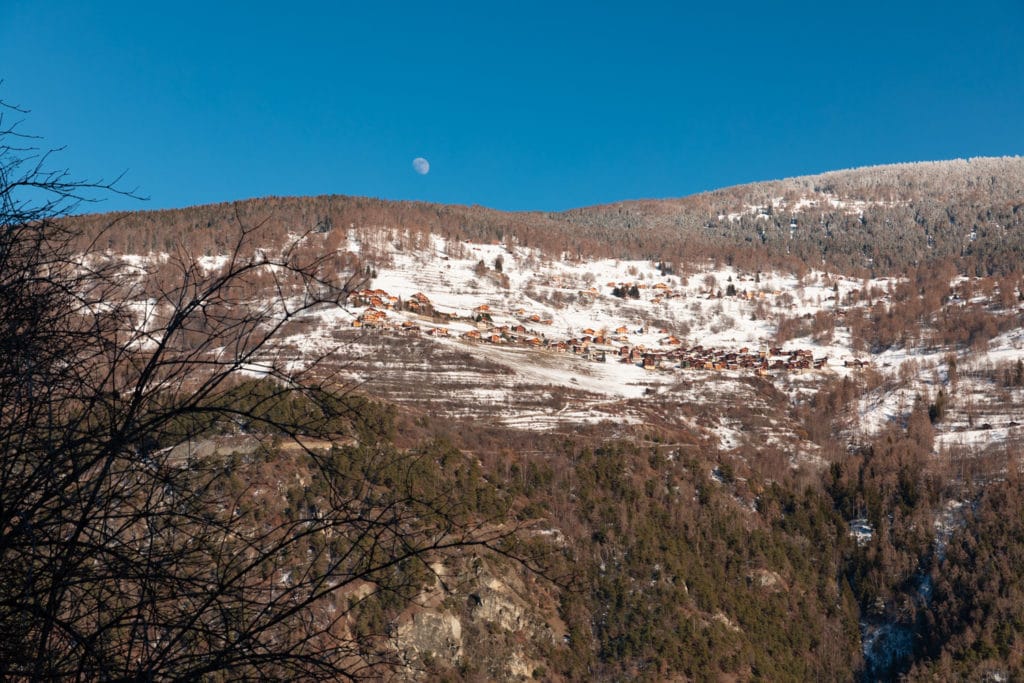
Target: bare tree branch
[{"x": 133, "y": 545}]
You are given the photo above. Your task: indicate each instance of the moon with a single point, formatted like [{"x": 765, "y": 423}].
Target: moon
[{"x": 421, "y": 165}]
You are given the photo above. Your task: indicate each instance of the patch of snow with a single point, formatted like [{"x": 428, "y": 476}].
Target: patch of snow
[
  {"x": 211, "y": 264},
  {"x": 861, "y": 530}
]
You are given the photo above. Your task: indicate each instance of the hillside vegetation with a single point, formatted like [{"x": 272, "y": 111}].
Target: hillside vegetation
[
  {"x": 874, "y": 221},
  {"x": 769, "y": 432}
]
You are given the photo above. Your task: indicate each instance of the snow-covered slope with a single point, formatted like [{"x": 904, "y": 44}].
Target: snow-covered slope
[{"x": 518, "y": 338}]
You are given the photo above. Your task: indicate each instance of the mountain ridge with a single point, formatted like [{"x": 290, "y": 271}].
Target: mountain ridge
[
  {"x": 877, "y": 220},
  {"x": 1009, "y": 161}
]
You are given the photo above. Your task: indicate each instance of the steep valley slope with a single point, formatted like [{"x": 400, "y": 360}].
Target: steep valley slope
[{"x": 743, "y": 427}]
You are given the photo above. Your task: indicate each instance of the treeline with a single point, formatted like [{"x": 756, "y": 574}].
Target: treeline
[
  {"x": 875, "y": 221},
  {"x": 880, "y": 220},
  {"x": 925, "y": 311}
]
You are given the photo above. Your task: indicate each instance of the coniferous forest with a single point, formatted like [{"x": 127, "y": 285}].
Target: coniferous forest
[{"x": 183, "y": 497}]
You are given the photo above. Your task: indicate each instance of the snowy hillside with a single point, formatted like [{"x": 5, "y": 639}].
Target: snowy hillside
[{"x": 511, "y": 336}]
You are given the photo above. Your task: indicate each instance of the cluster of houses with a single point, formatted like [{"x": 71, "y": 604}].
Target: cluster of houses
[
  {"x": 700, "y": 358},
  {"x": 660, "y": 291},
  {"x": 598, "y": 346}
]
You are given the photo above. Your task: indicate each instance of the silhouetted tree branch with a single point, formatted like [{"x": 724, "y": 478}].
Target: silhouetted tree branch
[{"x": 134, "y": 545}]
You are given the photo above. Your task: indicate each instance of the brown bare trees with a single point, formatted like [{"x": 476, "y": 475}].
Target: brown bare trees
[{"x": 133, "y": 544}]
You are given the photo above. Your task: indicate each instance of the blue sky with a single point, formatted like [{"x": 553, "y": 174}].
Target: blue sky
[{"x": 525, "y": 105}]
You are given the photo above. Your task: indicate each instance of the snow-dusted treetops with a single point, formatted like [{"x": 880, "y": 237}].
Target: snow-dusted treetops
[{"x": 873, "y": 221}]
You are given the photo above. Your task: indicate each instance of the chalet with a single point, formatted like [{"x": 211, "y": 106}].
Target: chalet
[
  {"x": 495, "y": 339},
  {"x": 535, "y": 318},
  {"x": 621, "y": 329},
  {"x": 651, "y": 361},
  {"x": 519, "y": 329},
  {"x": 371, "y": 316},
  {"x": 418, "y": 302},
  {"x": 472, "y": 334},
  {"x": 534, "y": 341},
  {"x": 438, "y": 331},
  {"x": 589, "y": 332}
]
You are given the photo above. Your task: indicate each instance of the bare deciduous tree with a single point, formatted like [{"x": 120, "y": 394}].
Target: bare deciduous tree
[{"x": 127, "y": 551}]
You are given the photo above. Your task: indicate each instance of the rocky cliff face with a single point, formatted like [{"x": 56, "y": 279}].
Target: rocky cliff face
[{"x": 481, "y": 620}]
